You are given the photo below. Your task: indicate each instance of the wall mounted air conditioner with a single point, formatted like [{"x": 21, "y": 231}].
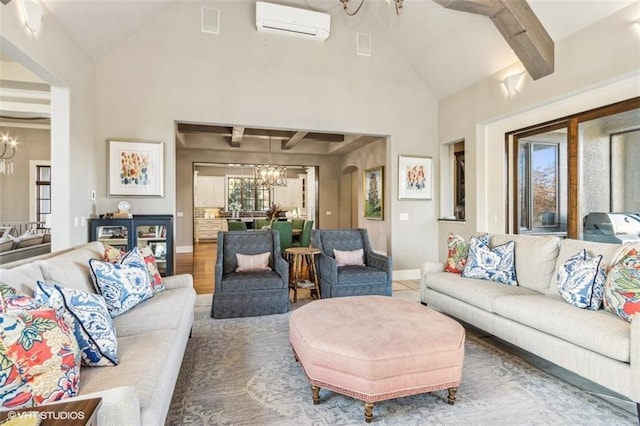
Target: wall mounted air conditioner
[{"x": 275, "y": 18}]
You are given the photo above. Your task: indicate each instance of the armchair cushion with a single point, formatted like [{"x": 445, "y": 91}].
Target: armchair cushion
[
  {"x": 360, "y": 275},
  {"x": 348, "y": 258},
  {"x": 255, "y": 262},
  {"x": 251, "y": 281}
]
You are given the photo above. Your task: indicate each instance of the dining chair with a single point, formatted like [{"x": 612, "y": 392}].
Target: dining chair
[
  {"x": 305, "y": 236},
  {"x": 285, "y": 229},
  {"x": 260, "y": 223},
  {"x": 236, "y": 225}
]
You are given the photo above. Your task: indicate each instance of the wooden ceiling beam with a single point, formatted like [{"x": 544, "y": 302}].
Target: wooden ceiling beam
[
  {"x": 519, "y": 26},
  {"x": 236, "y": 136},
  {"x": 293, "y": 141}
]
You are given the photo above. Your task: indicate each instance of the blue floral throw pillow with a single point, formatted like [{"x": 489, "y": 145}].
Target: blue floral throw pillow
[
  {"x": 581, "y": 280},
  {"x": 122, "y": 287},
  {"x": 494, "y": 264},
  {"x": 87, "y": 316}
]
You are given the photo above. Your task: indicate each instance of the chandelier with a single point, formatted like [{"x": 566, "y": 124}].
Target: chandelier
[
  {"x": 345, "y": 5},
  {"x": 7, "y": 152},
  {"x": 270, "y": 175}
]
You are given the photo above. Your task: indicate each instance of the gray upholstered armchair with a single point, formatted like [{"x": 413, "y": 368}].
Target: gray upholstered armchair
[
  {"x": 374, "y": 277},
  {"x": 254, "y": 292}
]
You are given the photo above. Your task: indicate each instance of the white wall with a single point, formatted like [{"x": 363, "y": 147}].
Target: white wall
[
  {"x": 171, "y": 71},
  {"x": 57, "y": 60},
  {"x": 597, "y": 66}
]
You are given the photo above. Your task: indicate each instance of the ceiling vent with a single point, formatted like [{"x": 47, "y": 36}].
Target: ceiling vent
[{"x": 292, "y": 21}]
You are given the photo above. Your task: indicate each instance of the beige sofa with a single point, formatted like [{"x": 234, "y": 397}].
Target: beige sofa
[
  {"x": 152, "y": 338},
  {"x": 597, "y": 345}
]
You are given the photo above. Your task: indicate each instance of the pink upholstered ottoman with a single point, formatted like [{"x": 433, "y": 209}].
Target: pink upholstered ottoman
[{"x": 375, "y": 348}]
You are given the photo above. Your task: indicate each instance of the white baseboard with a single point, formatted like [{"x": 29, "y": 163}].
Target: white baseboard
[
  {"x": 406, "y": 274},
  {"x": 184, "y": 249}
]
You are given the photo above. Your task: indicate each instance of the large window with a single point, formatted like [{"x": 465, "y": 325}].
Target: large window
[
  {"x": 43, "y": 193},
  {"x": 244, "y": 195},
  {"x": 566, "y": 169}
]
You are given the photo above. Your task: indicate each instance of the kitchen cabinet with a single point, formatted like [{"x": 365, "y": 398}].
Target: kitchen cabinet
[
  {"x": 146, "y": 230},
  {"x": 207, "y": 229},
  {"x": 210, "y": 191},
  {"x": 289, "y": 196}
]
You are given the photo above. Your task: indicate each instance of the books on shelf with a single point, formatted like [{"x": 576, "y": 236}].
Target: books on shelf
[{"x": 152, "y": 231}]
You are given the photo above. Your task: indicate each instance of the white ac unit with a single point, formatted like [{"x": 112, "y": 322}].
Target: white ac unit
[{"x": 275, "y": 18}]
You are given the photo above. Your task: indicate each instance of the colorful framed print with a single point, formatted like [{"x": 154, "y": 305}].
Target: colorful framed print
[
  {"x": 415, "y": 178},
  {"x": 374, "y": 193},
  {"x": 136, "y": 168}
]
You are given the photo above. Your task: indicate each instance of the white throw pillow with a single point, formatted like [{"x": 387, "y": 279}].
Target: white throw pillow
[
  {"x": 253, "y": 262},
  {"x": 349, "y": 258}
]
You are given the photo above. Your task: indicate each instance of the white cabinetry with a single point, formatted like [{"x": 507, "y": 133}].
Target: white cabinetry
[
  {"x": 207, "y": 229},
  {"x": 210, "y": 191},
  {"x": 289, "y": 196}
]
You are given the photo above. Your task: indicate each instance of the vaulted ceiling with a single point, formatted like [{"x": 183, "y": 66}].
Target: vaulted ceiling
[{"x": 462, "y": 48}]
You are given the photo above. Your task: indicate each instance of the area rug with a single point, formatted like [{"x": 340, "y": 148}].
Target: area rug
[{"x": 242, "y": 372}]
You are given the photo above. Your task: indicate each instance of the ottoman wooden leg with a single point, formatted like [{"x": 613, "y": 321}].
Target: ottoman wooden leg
[
  {"x": 368, "y": 412},
  {"x": 451, "y": 398},
  {"x": 315, "y": 393}
]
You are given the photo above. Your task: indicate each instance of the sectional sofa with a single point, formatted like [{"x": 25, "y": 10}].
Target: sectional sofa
[
  {"x": 151, "y": 337},
  {"x": 597, "y": 345}
]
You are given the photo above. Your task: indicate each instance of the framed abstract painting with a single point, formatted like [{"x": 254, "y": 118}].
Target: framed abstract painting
[
  {"x": 136, "y": 168},
  {"x": 415, "y": 178}
]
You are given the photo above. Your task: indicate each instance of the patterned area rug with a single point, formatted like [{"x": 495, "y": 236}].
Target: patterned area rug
[{"x": 242, "y": 372}]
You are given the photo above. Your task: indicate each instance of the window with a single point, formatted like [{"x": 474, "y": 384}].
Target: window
[
  {"x": 244, "y": 195},
  {"x": 43, "y": 193},
  {"x": 539, "y": 184},
  {"x": 564, "y": 170}
]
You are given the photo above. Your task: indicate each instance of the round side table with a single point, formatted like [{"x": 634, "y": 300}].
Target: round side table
[{"x": 300, "y": 254}]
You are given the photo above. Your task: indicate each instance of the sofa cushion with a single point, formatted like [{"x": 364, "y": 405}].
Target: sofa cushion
[
  {"x": 41, "y": 359},
  {"x": 535, "y": 259},
  {"x": 599, "y": 331},
  {"x": 23, "y": 278},
  {"x": 622, "y": 287},
  {"x": 71, "y": 269},
  {"x": 348, "y": 275},
  {"x": 27, "y": 240},
  {"x": 148, "y": 363},
  {"x": 6, "y": 230},
  {"x": 457, "y": 252},
  {"x": 581, "y": 280},
  {"x": 248, "y": 281},
  {"x": 123, "y": 287},
  {"x": 479, "y": 293},
  {"x": 569, "y": 247},
  {"x": 493, "y": 264},
  {"x": 139, "y": 256},
  {"x": 87, "y": 316},
  {"x": 167, "y": 310},
  {"x": 6, "y": 244}
]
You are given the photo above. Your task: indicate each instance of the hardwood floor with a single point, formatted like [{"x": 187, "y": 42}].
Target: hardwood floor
[{"x": 201, "y": 264}]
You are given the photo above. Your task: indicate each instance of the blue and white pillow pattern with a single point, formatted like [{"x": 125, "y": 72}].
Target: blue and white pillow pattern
[
  {"x": 581, "y": 280},
  {"x": 122, "y": 286},
  {"x": 494, "y": 264},
  {"x": 87, "y": 316}
]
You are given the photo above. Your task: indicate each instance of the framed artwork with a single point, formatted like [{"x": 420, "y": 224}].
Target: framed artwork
[
  {"x": 374, "y": 193},
  {"x": 415, "y": 178},
  {"x": 135, "y": 168}
]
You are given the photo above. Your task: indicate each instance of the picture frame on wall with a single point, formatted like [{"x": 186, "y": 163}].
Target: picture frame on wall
[
  {"x": 135, "y": 168},
  {"x": 415, "y": 178},
  {"x": 374, "y": 193}
]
